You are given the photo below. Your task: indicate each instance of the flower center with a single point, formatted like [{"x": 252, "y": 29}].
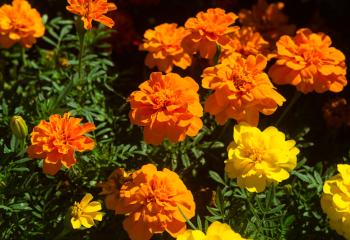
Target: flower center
[
  {"x": 76, "y": 210},
  {"x": 87, "y": 8},
  {"x": 254, "y": 154},
  {"x": 159, "y": 192},
  {"x": 313, "y": 55},
  {"x": 241, "y": 80},
  {"x": 162, "y": 99}
]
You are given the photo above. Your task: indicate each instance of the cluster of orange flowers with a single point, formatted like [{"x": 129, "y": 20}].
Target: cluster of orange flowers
[
  {"x": 241, "y": 88},
  {"x": 168, "y": 105}
]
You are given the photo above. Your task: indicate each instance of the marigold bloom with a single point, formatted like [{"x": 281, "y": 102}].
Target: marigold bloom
[
  {"x": 164, "y": 47},
  {"x": 151, "y": 201},
  {"x": 57, "y": 140},
  {"x": 92, "y": 10},
  {"x": 111, "y": 187},
  {"x": 335, "y": 200},
  {"x": 20, "y": 23},
  {"x": 308, "y": 62},
  {"x": 247, "y": 42},
  {"x": 257, "y": 158},
  {"x": 216, "y": 230},
  {"x": 85, "y": 212},
  {"x": 268, "y": 19},
  {"x": 168, "y": 107},
  {"x": 241, "y": 90},
  {"x": 209, "y": 29}
]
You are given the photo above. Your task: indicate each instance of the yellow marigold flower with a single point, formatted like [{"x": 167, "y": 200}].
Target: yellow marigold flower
[
  {"x": 268, "y": 19},
  {"x": 308, "y": 62},
  {"x": 209, "y": 29},
  {"x": 241, "y": 90},
  {"x": 247, "y": 42},
  {"x": 20, "y": 23},
  {"x": 85, "y": 212},
  {"x": 257, "y": 158},
  {"x": 216, "y": 230},
  {"x": 151, "y": 201},
  {"x": 164, "y": 47},
  {"x": 335, "y": 200},
  {"x": 92, "y": 10}
]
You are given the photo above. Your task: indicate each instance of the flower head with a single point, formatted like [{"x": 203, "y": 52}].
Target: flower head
[
  {"x": 335, "y": 200},
  {"x": 247, "y": 42},
  {"x": 209, "y": 29},
  {"x": 308, "y": 62},
  {"x": 257, "y": 158},
  {"x": 241, "y": 90},
  {"x": 111, "y": 187},
  {"x": 20, "y": 23},
  {"x": 168, "y": 107},
  {"x": 216, "y": 230},
  {"x": 151, "y": 201},
  {"x": 85, "y": 212},
  {"x": 92, "y": 10},
  {"x": 164, "y": 45},
  {"x": 268, "y": 19},
  {"x": 57, "y": 140}
]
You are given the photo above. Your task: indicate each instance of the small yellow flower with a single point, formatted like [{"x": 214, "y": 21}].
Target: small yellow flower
[
  {"x": 85, "y": 212},
  {"x": 216, "y": 231},
  {"x": 335, "y": 200},
  {"x": 257, "y": 158}
]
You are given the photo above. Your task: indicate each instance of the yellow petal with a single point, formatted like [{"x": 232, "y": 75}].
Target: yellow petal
[
  {"x": 93, "y": 207},
  {"x": 75, "y": 223},
  {"x": 191, "y": 235},
  {"x": 86, "y": 199},
  {"x": 87, "y": 221}
]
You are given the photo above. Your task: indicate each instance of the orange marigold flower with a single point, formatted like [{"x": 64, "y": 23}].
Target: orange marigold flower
[
  {"x": 247, "y": 42},
  {"x": 57, "y": 140},
  {"x": 111, "y": 187},
  {"x": 152, "y": 201},
  {"x": 241, "y": 90},
  {"x": 209, "y": 29},
  {"x": 168, "y": 107},
  {"x": 268, "y": 19},
  {"x": 164, "y": 47},
  {"x": 92, "y": 10},
  {"x": 308, "y": 62},
  {"x": 20, "y": 23}
]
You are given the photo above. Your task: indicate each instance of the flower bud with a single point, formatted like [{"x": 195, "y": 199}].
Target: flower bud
[{"x": 19, "y": 127}]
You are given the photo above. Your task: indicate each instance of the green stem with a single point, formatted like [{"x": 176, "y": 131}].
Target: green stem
[
  {"x": 295, "y": 98},
  {"x": 23, "y": 55},
  {"x": 81, "y": 53},
  {"x": 188, "y": 221}
]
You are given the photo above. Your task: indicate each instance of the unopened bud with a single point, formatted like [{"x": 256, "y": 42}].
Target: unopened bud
[{"x": 19, "y": 127}]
